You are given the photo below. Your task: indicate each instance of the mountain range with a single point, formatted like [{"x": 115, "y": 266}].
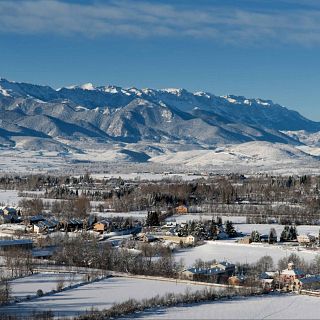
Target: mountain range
[{"x": 67, "y": 119}]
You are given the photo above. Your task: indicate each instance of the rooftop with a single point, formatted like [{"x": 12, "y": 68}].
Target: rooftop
[{"x": 14, "y": 242}]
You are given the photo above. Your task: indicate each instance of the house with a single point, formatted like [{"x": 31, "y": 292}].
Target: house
[
  {"x": 89, "y": 222},
  {"x": 9, "y": 211},
  {"x": 169, "y": 225},
  {"x": 148, "y": 238},
  {"x": 222, "y": 235},
  {"x": 264, "y": 238},
  {"x": 181, "y": 209},
  {"x": 212, "y": 275},
  {"x": 36, "y": 229},
  {"x": 267, "y": 284},
  {"x": 293, "y": 279},
  {"x": 267, "y": 280},
  {"x": 43, "y": 253},
  {"x": 307, "y": 283},
  {"x": 36, "y": 219},
  {"x": 288, "y": 276},
  {"x": 191, "y": 240},
  {"x": 9, "y": 218},
  {"x": 25, "y": 244},
  {"x": 268, "y": 275},
  {"x": 236, "y": 280},
  {"x": 73, "y": 224},
  {"x": 171, "y": 232},
  {"x": 10, "y": 215},
  {"x": 227, "y": 267},
  {"x": 194, "y": 274},
  {"x": 306, "y": 239},
  {"x": 216, "y": 275},
  {"x": 46, "y": 226},
  {"x": 101, "y": 226},
  {"x": 245, "y": 240}
]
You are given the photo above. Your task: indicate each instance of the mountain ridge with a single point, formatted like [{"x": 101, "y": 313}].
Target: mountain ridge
[{"x": 112, "y": 114}]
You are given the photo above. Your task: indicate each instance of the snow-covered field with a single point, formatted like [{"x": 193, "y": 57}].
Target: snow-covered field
[
  {"x": 100, "y": 295},
  {"x": 110, "y": 161},
  {"x": 234, "y": 252},
  {"x": 133, "y": 214},
  {"x": 180, "y": 218},
  {"x": 288, "y": 306},
  {"x": 255, "y": 156},
  {"x": 12, "y": 198},
  {"x": 25, "y": 161},
  {"x": 9, "y": 197},
  {"x": 265, "y": 228},
  {"x": 45, "y": 281},
  {"x": 150, "y": 176}
]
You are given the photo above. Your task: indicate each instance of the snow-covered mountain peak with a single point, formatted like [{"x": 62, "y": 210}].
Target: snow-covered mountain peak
[
  {"x": 203, "y": 94},
  {"x": 266, "y": 103},
  {"x": 148, "y": 91},
  {"x": 110, "y": 89},
  {"x": 85, "y": 86},
  {"x": 133, "y": 114},
  {"x": 241, "y": 100},
  {"x": 236, "y": 99},
  {"x": 174, "y": 91},
  {"x": 135, "y": 91},
  {"x": 4, "y": 92}
]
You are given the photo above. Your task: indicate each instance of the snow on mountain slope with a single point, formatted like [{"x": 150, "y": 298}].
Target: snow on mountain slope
[
  {"x": 172, "y": 126},
  {"x": 4, "y": 92},
  {"x": 305, "y": 137},
  {"x": 250, "y": 153},
  {"x": 36, "y": 144},
  {"x": 256, "y": 112},
  {"x": 314, "y": 151}
]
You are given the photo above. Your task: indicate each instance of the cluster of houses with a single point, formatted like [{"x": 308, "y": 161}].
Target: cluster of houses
[
  {"x": 189, "y": 233},
  {"x": 290, "y": 279},
  {"x": 40, "y": 224},
  {"x": 44, "y": 224}
]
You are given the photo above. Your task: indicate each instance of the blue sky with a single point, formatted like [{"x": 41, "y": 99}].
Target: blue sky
[{"x": 259, "y": 48}]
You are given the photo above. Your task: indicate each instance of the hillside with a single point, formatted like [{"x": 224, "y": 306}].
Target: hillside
[{"x": 139, "y": 125}]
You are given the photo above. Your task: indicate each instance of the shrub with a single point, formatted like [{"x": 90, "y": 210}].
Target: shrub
[{"x": 39, "y": 293}]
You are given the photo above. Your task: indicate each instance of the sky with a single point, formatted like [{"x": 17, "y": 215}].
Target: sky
[{"x": 256, "y": 48}]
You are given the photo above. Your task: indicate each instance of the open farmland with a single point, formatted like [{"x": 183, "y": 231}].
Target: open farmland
[
  {"x": 267, "y": 307},
  {"x": 28, "y": 286},
  {"x": 100, "y": 295},
  {"x": 243, "y": 253}
]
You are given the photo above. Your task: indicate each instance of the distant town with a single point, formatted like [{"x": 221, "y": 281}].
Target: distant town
[{"x": 183, "y": 231}]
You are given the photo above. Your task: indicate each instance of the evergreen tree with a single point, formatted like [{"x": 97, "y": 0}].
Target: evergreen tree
[
  {"x": 289, "y": 182},
  {"x": 229, "y": 228},
  {"x": 152, "y": 219},
  {"x": 272, "y": 236},
  {"x": 293, "y": 233},
  {"x": 285, "y": 234},
  {"x": 255, "y": 236},
  {"x": 219, "y": 221}
]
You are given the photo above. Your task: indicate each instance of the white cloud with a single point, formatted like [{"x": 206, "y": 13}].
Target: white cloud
[{"x": 146, "y": 19}]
